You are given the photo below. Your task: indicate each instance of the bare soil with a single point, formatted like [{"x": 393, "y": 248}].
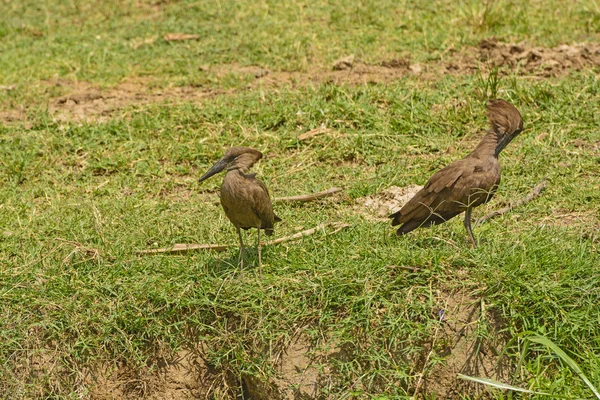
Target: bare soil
[
  {"x": 464, "y": 351},
  {"x": 88, "y": 102},
  {"x": 540, "y": 61},
  {"x": 455, "y": 340},
  {"x": 379, "y": 206},
  {"x": 180, "y": 377}
]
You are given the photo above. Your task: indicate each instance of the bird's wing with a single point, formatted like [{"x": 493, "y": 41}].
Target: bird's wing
[
  {"x": 447, "y": 192},
  {"x": 261, "y": 201}
]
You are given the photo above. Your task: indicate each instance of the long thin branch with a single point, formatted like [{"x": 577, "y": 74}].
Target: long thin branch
[
  {"x": 184, "y": 248},
  {"x": 535, "y": 193},
  {"x": 313, "y": 133},
  {"x": 309, "y": 197},
  {"x": 338, "y": 225},
  {"x": 304, "y": 197}
]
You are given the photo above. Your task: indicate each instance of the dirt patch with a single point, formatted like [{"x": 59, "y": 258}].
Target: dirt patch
[
  {"x": 457, "y": 346},
  {"x": 379, "y": 206},
  {"x": 12, "y": 115},
  {"x": 301, "y": 369},
  {"x": 44, "y": 372},
  {"x": 179, "y": 377},
  {"x": 463, "y": 350},
  {"x": 298, "y": 376},
  {"x": 37, "y": 368},
  {"x": 88, "y": 102},
  {"x": 524, "y": 59}
]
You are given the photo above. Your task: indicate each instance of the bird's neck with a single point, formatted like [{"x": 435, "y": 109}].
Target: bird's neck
[
  {"x": 488, "y": 146},
  {"x": 235, "y": 173},
  {"x": 240, "y": 168}
]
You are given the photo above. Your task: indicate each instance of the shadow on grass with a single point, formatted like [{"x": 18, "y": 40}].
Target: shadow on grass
[{"x": 228, "y": 262}]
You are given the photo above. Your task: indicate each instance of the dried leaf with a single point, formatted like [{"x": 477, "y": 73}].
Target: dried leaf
[{"x": 179, "y": 37}]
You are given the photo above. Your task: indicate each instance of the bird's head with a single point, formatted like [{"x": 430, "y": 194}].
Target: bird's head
[
  {"x": 505, "y": 121},
  {"x": 238, "y": 157}
]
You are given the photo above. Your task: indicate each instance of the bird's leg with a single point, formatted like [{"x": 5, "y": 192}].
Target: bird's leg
[
  {"x": 259, "y": 258},
  {"x": 468, "y": 225},
  {"x": 241, "y": 249}
]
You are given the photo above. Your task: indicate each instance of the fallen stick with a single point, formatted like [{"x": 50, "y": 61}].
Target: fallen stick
[
  {"x": 184, "y": 248},
  {"x": 338, "y": 225},
  {"x": 309, "y": 197},
  {"x": 535, "y": 193},
  {"x": 303, "y": 197},
  {"x": 178, "y": 37}
]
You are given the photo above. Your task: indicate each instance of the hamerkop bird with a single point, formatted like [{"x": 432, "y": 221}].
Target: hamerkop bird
[
  {"x": 465, "y": 183},
  {"x": 244, "y": 198}
]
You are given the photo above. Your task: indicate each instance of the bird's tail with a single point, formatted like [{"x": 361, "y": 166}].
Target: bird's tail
[
  {"x": 504, "y": 117},
  {"x": 269, "y": 230}
]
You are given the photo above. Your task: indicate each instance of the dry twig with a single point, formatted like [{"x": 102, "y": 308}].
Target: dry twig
[
  {"x": 184, "y": 248},
  {"x": 309, "y": 197},
  {"x": 303, "y": 197},
  {"x": 535, "y": 193},
  {"x": 313, "y": 133},
  {"x": 178, "y": 37},
  {"x": 337, "y": 225}
]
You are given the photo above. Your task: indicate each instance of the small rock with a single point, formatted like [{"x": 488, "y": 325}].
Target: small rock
[
  {"x": 416, "y": 69},
  {"x": 261, "y": 72},
  {"x": 344, "y": 63}
]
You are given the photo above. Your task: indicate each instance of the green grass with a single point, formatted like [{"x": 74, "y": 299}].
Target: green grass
[
  {"x": 112, "y": 41},
  {"x": 78, "y": 199}
]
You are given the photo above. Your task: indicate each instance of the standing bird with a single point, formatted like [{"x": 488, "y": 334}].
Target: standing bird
[
  {"x": 465, "y": 183},
  {"x": 244, "y": 198}
]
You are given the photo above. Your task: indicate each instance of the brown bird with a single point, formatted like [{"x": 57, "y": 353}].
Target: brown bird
[
  {"x": 465, "y": 183},
  {"x": 244, "y": 198}
]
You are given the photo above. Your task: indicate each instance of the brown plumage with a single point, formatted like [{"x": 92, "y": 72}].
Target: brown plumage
[
  {"x": 465, "y": 183},
  {"x": 244, "y": 198}
]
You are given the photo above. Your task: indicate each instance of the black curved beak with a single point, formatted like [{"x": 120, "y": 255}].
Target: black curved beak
[
  {"x": 215, "y": 169},
  {"x": 504, "y": 141}
]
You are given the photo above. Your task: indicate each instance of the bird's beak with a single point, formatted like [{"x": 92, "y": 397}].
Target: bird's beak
[
  {"x": 504, "y": 141},
  {"x": 215, "y": 169}
]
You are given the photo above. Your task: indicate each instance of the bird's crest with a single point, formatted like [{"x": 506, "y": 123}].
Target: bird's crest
[{"x": 504, "y": 117}]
